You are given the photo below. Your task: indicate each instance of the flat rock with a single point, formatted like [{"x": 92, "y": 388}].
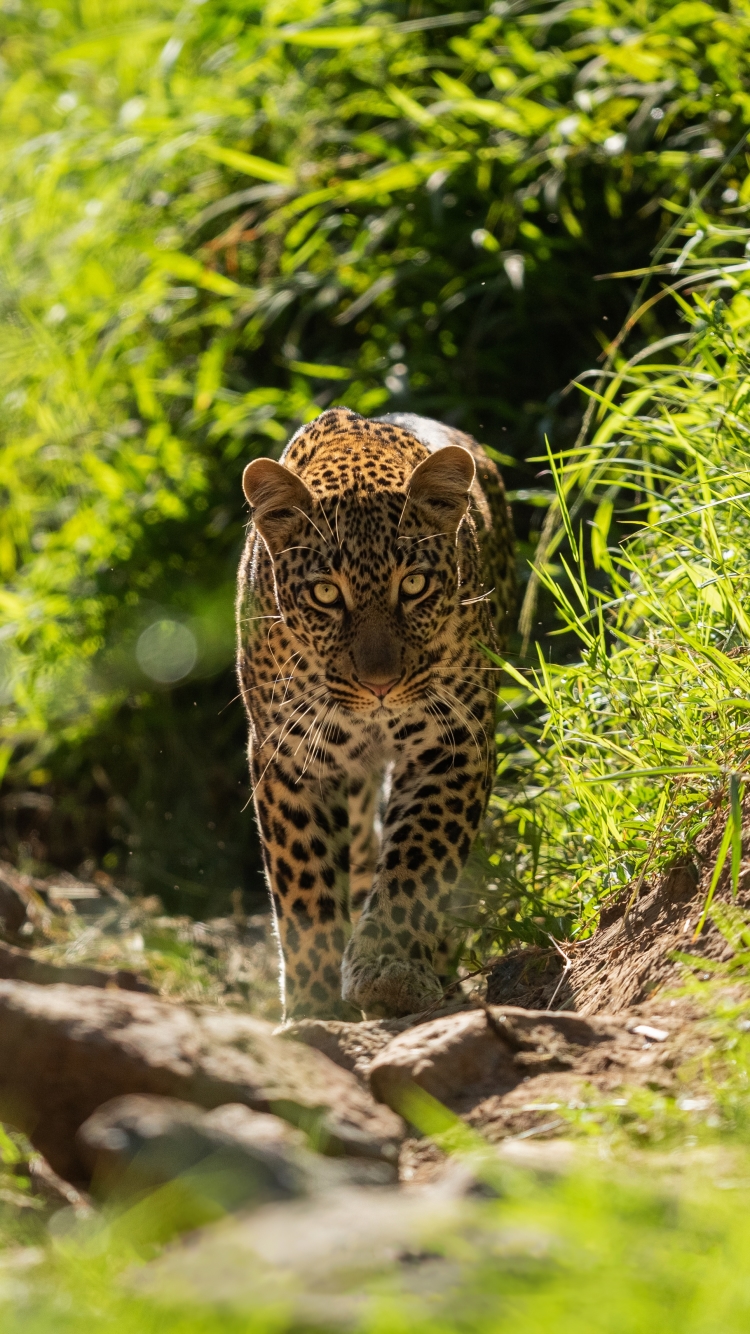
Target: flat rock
[
  {"x": 325, "y": 1257},
  {"x": 65, "y": 1050},
  {"x": 19, "y": 965},
  {"x": 353, "y": 1046},
  {"x": 507, "y": 1069},
  {"x": 139, "y": 1142},
  {"x": 477, "y": 1050}
]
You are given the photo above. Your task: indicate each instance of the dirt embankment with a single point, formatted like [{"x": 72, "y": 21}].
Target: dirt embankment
[
  {"x": 631, "y": 956},
  {"x": 559, "y": 1029}
]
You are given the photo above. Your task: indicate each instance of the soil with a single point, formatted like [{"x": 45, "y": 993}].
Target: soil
[
  {"x": 632, "y": 954},
  {"x": 629, "y": 978}
]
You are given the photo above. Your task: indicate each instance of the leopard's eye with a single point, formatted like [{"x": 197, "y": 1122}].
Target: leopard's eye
[
  {"x": 326, "y": 593},
  {"x": 413, "y": 584}
]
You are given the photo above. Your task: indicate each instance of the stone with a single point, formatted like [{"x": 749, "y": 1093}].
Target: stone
[
  {"x": 65, "y": 1050},
  {"x": 355, "y": 1258},
  {"x": 355, "y": 1045},
  {"x": 24, "y": 967},
  {"x": 232, "y": 1156},
  {"x": 461, "y": 1058},
  {"x": 321, "y": 1256},
  {"x": 350, "y": 1045},
  {"x": 138, "y": 1142}
]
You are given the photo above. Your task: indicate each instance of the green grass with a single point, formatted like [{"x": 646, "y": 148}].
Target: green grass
[
  {"x": 628, "y": 1241},
  {"x": 614, "y": 758}
]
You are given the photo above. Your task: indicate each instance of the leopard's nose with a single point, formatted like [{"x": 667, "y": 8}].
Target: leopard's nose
[{"x": 381, "y": 688}]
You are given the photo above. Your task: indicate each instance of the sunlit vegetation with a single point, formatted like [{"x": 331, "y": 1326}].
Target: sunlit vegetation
[
  {"x": 218, "y": 219},
  {"x": 643, "y": 731}
]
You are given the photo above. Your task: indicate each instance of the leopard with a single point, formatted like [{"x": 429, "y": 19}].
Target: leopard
[{"x": 376, "y": 590}]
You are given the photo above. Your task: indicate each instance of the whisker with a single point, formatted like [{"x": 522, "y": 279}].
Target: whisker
[
  {"x": 325, "y": 516},
  {"x": 307, "y": 706},
  {"x": 229, "y": 701},
  {"x": 484, "y": 690},
  {"x": 465, "y": 718},
  {"x": 442, "y": 724},
  {"x": 467, "y": 602},
  {"x": 303, "y": 739},
  {"x": 309, "y": 520},
  {"x": 312, "y": 745},
  {"x": 329, "y": 723},
  {"x": 285, "y": 723},
  {"x": 295, "y": 654}
]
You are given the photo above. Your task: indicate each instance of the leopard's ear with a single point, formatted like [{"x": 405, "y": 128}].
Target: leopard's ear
[
  {"x": 442, "y": 483},
  {"x": 278, "y": 499}
]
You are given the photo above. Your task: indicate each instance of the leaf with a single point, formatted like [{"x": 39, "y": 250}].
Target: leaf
[
  {"x": 332, "y": 38},
  {"x": 247, "y": 163},
  {"x": 320, "y": 372},
  {"x": 183, "y": 266}
]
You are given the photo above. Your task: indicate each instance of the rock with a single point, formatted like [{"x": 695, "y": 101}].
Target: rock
[
  {"x": 246, "y": 1126},
  {"x": 354, "y": 1046},
  {"x": 19, "y": 965},
  {"x": 321, "y": 1256},
  {"x": 231, "y": 1156},
  {"x": 351, "y": 1045},
  {"x": 510, "y": 1071},
  {"x": 65, "y": 1050},
  {"x": 137, "y": 1143},
  {"x": 470, "y": 1055}
]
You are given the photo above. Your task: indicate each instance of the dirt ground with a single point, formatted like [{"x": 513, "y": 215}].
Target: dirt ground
[
  {"x": 627, "y": 980},
  {"x": 559, "y": 1031}
]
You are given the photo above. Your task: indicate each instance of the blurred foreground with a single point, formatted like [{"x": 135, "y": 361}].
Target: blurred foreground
[{"x": 580, "y": 1171}]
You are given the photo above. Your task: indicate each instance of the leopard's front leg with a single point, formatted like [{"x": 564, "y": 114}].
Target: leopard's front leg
[
  {"x": 438, "y": 796},
  {"x": 304, "y": 827}
]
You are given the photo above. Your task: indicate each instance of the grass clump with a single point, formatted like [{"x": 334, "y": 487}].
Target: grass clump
[{"x": 613, "y": 759}]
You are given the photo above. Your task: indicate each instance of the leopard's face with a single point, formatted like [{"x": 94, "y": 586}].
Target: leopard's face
[
  {"x": 361, "y": 523},
  {"x": 370, "y": 589}
]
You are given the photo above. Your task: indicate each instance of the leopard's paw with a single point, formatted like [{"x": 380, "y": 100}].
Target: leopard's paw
[{"x": 385, "y": 987}]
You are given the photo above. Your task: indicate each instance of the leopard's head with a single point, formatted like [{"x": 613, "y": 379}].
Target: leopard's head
[{"x": 363, "y": 539}]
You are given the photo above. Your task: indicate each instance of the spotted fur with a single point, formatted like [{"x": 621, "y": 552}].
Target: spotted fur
[{"x": 380, "y": 702}]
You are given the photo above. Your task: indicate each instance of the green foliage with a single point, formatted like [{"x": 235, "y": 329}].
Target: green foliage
[
  {"x": 634, "y": 743},
  {"x": 218, "y": 219}
]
